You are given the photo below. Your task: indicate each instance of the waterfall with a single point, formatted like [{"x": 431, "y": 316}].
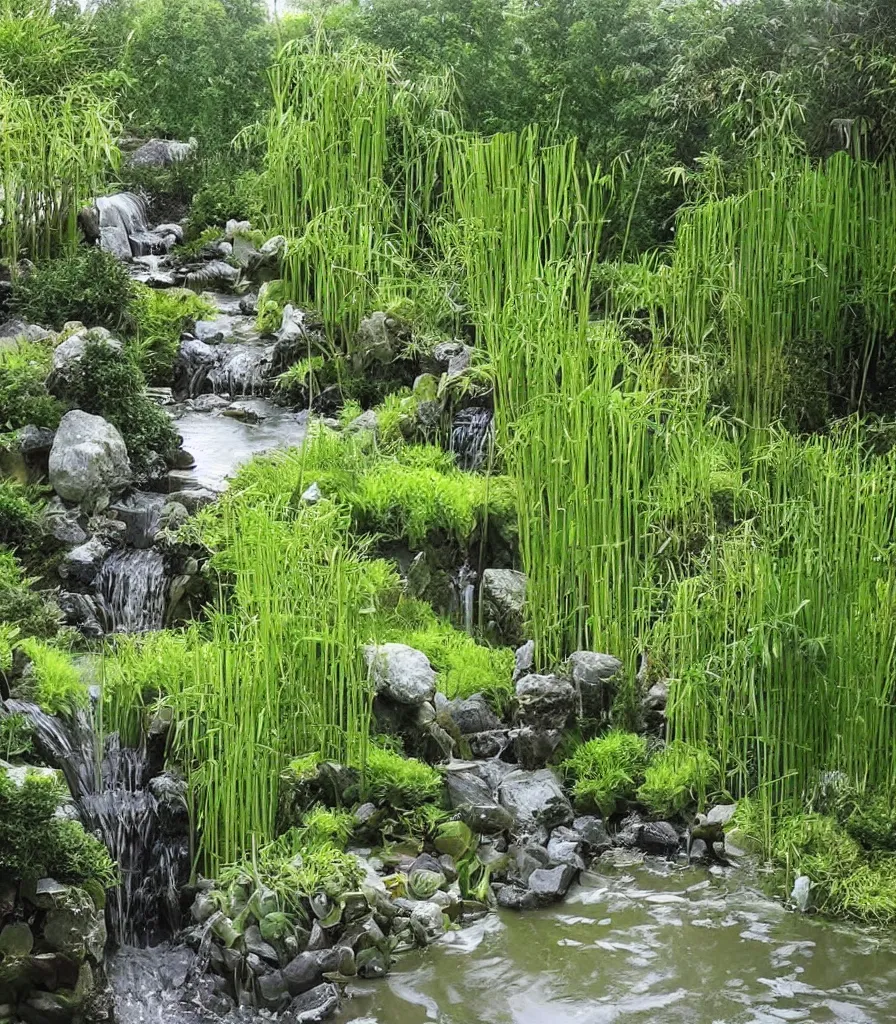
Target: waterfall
[
  {"x": 132, "y": 590},
  {"x": 225, "y": 369},
  {"x": 142, "y": 821},
  {"x": 464, "y": 584},
  {"x": 471, "y": 435}
]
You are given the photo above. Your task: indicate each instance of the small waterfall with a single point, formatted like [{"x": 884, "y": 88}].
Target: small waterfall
[
  {"x": 132, "y": 591},
  {"x": 122, "y": 217},
  {"x": 464, "y": 583},
  {"x": 142, "y": 821},
  {"x": 471, "y": 435},
  {"x": 141, "y": 512},
  {"x": 225, "y": 369}
]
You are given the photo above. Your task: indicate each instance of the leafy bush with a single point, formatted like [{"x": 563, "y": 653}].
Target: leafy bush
[
  {"x": 272, "y": 298},
  {"x": 400, "y": 781},
  {"x": 679, "y": 777},
  {"x": 22, "y": 607},
  {"x": 89, "y": 285},
  {"x": 607, "y": 769},
  {"x": 23, "y": 393},
  {"x": 55, "y": 682},
  {"x": 225, "y": 197},
  {"x": 160, "y": 317},
  {"x": 305, "y": 861},
  {"x": 113, "y": 387},
  {"x": 19, "y": 513},
  {"x": 35, "y": 844}
]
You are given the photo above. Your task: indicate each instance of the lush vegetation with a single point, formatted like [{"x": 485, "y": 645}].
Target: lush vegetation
[
  {"x": 668, "y": 231},
  {"x": 36, "y": 843}
]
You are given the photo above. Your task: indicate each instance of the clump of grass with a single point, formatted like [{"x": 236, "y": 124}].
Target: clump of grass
[
  {"x": 607, "y": 769},
  {"x": 19, "y": 513},
  {"x": 464, "y": 666},
  {"x": 55, "y": 683},
  {"x": 89, "y": 285},
  {"x": 160, "y": 317},
  {"x": 679, "y": 777},
  {"x": 401, "y": 782},
  {"x": 22, "y": 607}
]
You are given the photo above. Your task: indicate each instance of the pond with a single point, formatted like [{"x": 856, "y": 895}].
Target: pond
[{"x": 653, "y": 944}]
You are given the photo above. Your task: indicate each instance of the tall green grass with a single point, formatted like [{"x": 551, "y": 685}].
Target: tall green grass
[
  {"x": 57, "y": 125},
  {"x": 351, "y": 157}
]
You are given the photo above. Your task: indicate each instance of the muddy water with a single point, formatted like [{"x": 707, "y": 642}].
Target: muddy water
[
  {"x": 220, "y": 445},
  {"x": 656, "y": 946}
]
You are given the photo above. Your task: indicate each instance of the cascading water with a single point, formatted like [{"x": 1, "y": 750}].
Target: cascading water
[
  {"x": 464, "y": 583},
  {"x": 225, "y": 369},
  {"x": 132, "y": 590},
  {"x": 141, "y": 820},
  {"x": 471, "y": 435}
]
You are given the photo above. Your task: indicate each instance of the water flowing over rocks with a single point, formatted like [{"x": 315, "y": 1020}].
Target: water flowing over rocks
[{"x": 471, "y": 436}]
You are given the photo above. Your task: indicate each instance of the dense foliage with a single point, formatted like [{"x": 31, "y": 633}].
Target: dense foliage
[{"x": 36, "y": 843}]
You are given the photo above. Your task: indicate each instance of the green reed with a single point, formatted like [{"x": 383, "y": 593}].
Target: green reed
[
  {"x": 56, "y": 134},
  {"x": 351, "y": 157},
  {"x": 797, "y": 255}
]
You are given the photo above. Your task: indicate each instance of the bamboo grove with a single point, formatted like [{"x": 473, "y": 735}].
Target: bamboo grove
[
  {"x": 56, "y": 133},
  {"x": 669, "y": 510}
]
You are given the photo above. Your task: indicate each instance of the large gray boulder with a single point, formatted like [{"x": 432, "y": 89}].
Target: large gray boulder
[
  {"x": 503, "y": 595},
  {"x": 162, "y": 153},
  {"x": 401, "y": 673},
  {"x": 378, "y": 340},
  {"x": 596, "y": 678},
  {"x": 15, "y": 330},
  {"x": 88, "y": 461},
  {"x": 474, "y": 800},
  {"x": 535, "y": 799},
  {"x": 545, "y": 702}
]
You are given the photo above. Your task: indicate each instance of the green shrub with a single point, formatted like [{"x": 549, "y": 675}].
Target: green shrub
[
  {"x": 305, "y": 861},
  {"x": 113, "y": 387},
  {"x": 400, "y": 781},
  {"x": 272, "y": 298},
  {"x": 57, "y": 685},
  {"x": 226, "y": 197},
  {"x": 16, "y": 734},
  {"x": 607, "y": 769},
  {"x": 160, "y": 317},
  {"x": 36, "y": 844},
  {"x": 679, "y": 777},
  {"x": 89, "y": 285},
  {"x": 23, "y": 394},
  {"x": 19, "y": 514},
  {"x": 872, "y": 822},
  {"x": 22, "y": 607}
]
